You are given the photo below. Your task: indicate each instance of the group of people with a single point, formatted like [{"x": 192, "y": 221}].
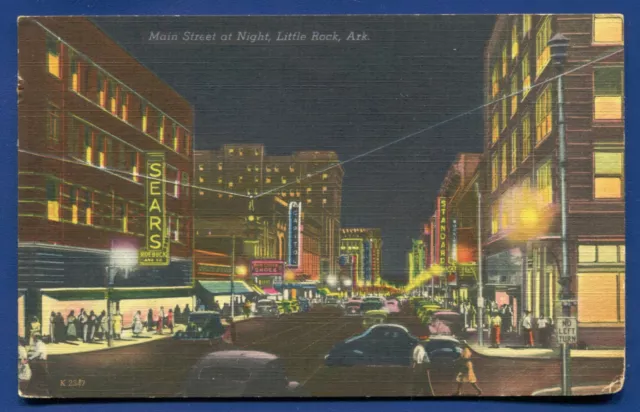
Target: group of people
[
  {"x": 469, "y": 312},
  {"x": 500, "y": 322},
  {"x": 86, "y": 326}
]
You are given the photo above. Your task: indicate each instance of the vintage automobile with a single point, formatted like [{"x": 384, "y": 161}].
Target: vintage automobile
[
  {"x": 267, "y": 308},
  {"x": 202, "y": 325},
  {"x": 352, "y": 308},
  {"x": 332, "y": 301},
  {"x": 237, "y": 373},
  {"x": 305, "y": 304},
  {"x": 294, "y": 305},
  {"x": 392, "y": 306},
  {"x": 372, "y": 305},
  {"x": 443, "y": 350},
  {"x": 447, "y": 323},
  {"x": 374, "y": 317}
]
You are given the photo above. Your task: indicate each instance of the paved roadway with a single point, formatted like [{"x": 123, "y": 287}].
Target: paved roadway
[{"x": 302, "y": 340}]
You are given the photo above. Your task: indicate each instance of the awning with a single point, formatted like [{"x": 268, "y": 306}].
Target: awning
[
  {"x": 150, "y": 293},
  {"x": 257, "y": 289},
  {"x": 271, "y": 291},
  {"x": 76, "y": 294},
  {"x": 223, "y": 287}
]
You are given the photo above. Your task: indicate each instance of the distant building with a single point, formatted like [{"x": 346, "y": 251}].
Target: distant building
[{"x": 364, "y": 246}]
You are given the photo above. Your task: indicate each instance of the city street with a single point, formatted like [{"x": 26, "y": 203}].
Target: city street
[{"x": 302, "y": 340}]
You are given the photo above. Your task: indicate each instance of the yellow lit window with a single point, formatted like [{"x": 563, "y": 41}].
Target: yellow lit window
[
  {"x": 291, "y": 169},
  {"x": 608, "y": 29},
  {"x": 283, "y": 193},
  {"x": 608, "y": 175},
  {"x": 161, "y": 129},
  {"x": 503, "y": 169},
  {"x": 325, "y": 176},
  {"x": 494, "y": 172},
  {"x": 268, "y": 169},
  {"x": 240, "y": 178},
  {"x": 601, "y": 297},
  {"x": 543, "y": 53},
  {"x": 526, "y": 137},
  {"x": 230, "y": 184},
  {"x": 102, "y": 160},
  {"x": 220, "y": 180},
  {"x": 53, "y": 56},
  {"x": 73, "y": 71},
  {"x": 608, "y": 93},
  {"x": 201, "y": 193},
  {"x": 219, "y": 166},
  {"x": 113, "y": 97},
  {"x": 240, "y": 153},
  {"x": 608, "y": 253},
  {"x": 88, "y": 145},
  {"x": 514, "y": 42},
  {"x": 495, "y": 214},
  {"x": 144, "y": 111},
  {"x": 543, "y": 115},
  {"x": 308, "y": 201},
  {"x": 283, "y": 179},
  {"x": 495, "y": 81},
  {"x": 124, "y": 100},
  {"x": 504, "y": 61},
  {"x": 308, "y": 190},
  {"x": 124, "y": 218},
  {"x": 514, "y": 150},
  {"x": 514, "y": 95},
  {"x": 102, "y": 94},
  {"x": 495, "y": 127},
  {"x": 232, "y": 151},
  {"x": 504, "y": 112},
  {"x": 324, "y": 201},
  {"x": 201, "y": 179},
  {"x": 219, "y": 195},
  {"x": 201, "y": 167},
  {"x": 176, "y": 137},
  {"x": 256, "y": 179},
  {"x": 526, "y": 24},
  {"x": 53, "y": 200},
  {"x": 324, "y": 189},
  {"x": 73, "y": 198},
  {"x": 587, "y": 254},
  {"x": 267, "y": 180},
  {"x": 134, "y": 167},
  {"x": 544, "y": 183},
  {"x": 526, "y": 75},
  {"x": 276, "y": 168}
]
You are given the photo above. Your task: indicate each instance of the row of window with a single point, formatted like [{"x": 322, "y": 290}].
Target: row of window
[
  {"x": 98, "y": 86},
  {"x": 256, "y": 168},
  {"x": 93, "y": 146},
  {"x": 601, "y": 253},
  {"x": 79, "y": 205}
]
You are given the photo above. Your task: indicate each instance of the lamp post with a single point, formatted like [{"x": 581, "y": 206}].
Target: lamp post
[
  {"x": 109, "y": 284},
  {"x": 480, "y": 284},
  {"x": 559, "y": 45}
]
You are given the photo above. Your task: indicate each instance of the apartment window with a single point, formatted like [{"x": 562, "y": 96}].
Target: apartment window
[
  {"x": 113, "y": 93},
  {"x": 608, "y": 29},
  {"x": 526, "y": 24},
  {"x": 201, "y": 167},
  {"x": 88, "y": 145},
  {"x": 292, "y": 169},
  {"x": 283, "y": 193},
  {"x": 495, "y": 127},
  {"x": 308, "y": 190},
  {"x": 53, "y": 200},
  {"x": 308, "y": 201},
  {"x": 494, "y": 172},
  {"x": 514, "y": 150},
  {"x": 100, "y": 148},
  {"x": 134, "y": 166},
  {"x": 161, "y": 121},
  {"x": 256, "y": 179},
  {"x": 53, "y": 55},
  {"x": 526, "y": 137},
  {"x": 53, "y": 124},
  {"x": 230, "y": 185},
  {"x": 495, "y": 216},
  {"x": 175, "y": 132},
  {"x": 102, "y": 95},
  {"x": 240, "y": 152},
  {"x": 144, "y": 113},
  {"x": 232, "y": 151},
  {"x": 515, "y": 47},
  {"x": 88, "y": 208},
  {"x": 73, "y": 198},
  {"x": 324, "y": 189},
  {"x": 240, "y": 179},
  {"x": 325, "y": 176},
  {"x": 608, "y": 93},
  {"x": 526, "y": 75},
  {"x": 543, "y": 53},
  {"x": 267, "y": 179},
  {"x": 504, "y": 61},
  {"x": 283, "y": 179},
  {"x": 248, "y": 168},
  {"x": 220, "y": 180},
  {"x": 544, "y": 183},
  {"x": 608, "y": 175},
  {"x": 124, "y": 221},
  {"x": 601, "y": 253},
  {"x": 514, "y": 94},
  {"x": 276, "y": 168},
  {"x": 543, "y": 115},
  {"x": 219, "y": 166},
  {"x": 74, "y": 74},
  {"x": 268, "y": 169},
  {"x": 124, "y": 100},
  {"x": 176, "y": 184},
  {"x": 495, "y": 79},
  {"x": 503, "y": 169},
  {"x": 324, "y": 201},
  {"x": 201, "y": 179}
]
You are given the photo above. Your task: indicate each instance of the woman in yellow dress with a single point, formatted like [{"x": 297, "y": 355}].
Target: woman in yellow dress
[{"x": 464, "y": 367}]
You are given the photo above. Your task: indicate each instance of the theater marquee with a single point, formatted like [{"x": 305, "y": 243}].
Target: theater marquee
[{"x": 156, "y": 250}]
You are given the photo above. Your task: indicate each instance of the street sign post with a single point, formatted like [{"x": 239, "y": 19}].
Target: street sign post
[{"x": 566, "y": 334}]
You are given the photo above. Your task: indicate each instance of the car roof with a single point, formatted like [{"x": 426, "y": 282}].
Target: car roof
[
  {"x": 237, "y": 358},
  {"x": 436, "y": 338},
  {"x": 446, "y": 312},
  {"x": 389, "y": 325}
]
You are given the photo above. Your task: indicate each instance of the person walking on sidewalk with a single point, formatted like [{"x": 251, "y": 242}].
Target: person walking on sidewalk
[
  {"x": 84, "y": 327},
  {"x": 472, "y": 316},
  {"x": 544, "y": 331},
  {"x": 72, "y": 333},
  {"x": 170, "y": 320},
  {"x": 496, "y": 327},
  {"x": 34, "y": 330},
  {"x": 93, "y": 320},
  {"x": 137, "y": 324},
  {"x": 160, "y": 321},
  {"x": 465, "y": 373},
  {"x": 38, "y": 363},
  {"x": 117, "y": 325},
  {"x": 52, "y": 327},
  {"x": 150, "y": 320},
  {"x": 104, "y": 325},
  {"x": 527, "y": 329}
]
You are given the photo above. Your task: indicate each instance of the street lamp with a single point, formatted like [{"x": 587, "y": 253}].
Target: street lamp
[
  {"x": 480, "y": 280},
  {"x": 559, "y": 45}
]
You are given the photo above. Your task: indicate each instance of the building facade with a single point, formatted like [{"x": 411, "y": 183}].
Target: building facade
[
  {"x": 522, "y": 242},
  {"x": 364, "y": 247},
  {"x": 92, "y": 120}
]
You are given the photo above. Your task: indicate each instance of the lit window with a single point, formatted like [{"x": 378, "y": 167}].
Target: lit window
[
  {"x": 503, "y": 169},
  {"x": 283, "y": 193},
  {"x": 526, "y": 24},
  {"x": 220, "y": 180},
  {"x": 201, "y": 167},
  {"x": 308, "y": 190},
  {"x": 219, "y": 195},
  {"x": 494, "y": 171},
  {"x": 124, "y": 217},
  {"x": 256, "y": 179},
  {"x": 514, "y": 150},
  {"x": 514, "y": 41},
  {"x": 514, "y": 94},
  {"x": 161, "y": 121},
  {"x": 607, "y": 29},
  {"x": 495, "y": 86},
  {"x": 201, "y": 179},
  {"x": 201, "y": 193},
  {"x": 73, "y": 197},
  {"x": 267, "y": 179},
  {"x": 175, "y": 132},
  {"x": 324, "y": 201},
  {"x": 586, "y": 253},
  {"x": 495, "y": 127},
  {"x": 232, "y": 151},
  {"x": 608, "y": 93},
  {"x": 543, "y": 115},
  {"x": 601, "y": 297},
  {"x": 113, "y": 93},
  {"x": 276, "y": 168},
  {"x": 292, "y": 193},
  {"x": 283, "y": 179},
  {"x": 608, "y": 175},
  {"x": 100, "y": 148},
  {"x": 268, "y": 169},
  {"x": 88, "y": 145},
  {"x": 53, "y": 56},
  {"x": 144, "y": 113},
  {"x": 608, "y": 253},
  {"x": 73, "y": 71},
  {"x": 504, "y": 61},
  {"x": 504, "y": 112},
  {"x": 526, "y": 136},
  {"x": 324, "y": 189},
  {"x": 526, "y": 75},
  {"x": 495, "y": 216},
  {"x": 124, "y": 100},
  {"x": 291, "y": 169},
  {"x": 88, "y": 208},
  {"x": 240, "y": 179},
  {"x": 325, "y": 176},
  {"x": 308, "y": 201},
  {"x": 543, "y": 53},
  {"x": 219, "y": 166},
  {"x": 240, "y": 152},
  {"x": 230, "y": 184},
  {"x": 53, "y": 124},
  {"x": 53, "y": 200},
  {"x": 102, "y": 95},
  {"x": 544, "y": 183}
]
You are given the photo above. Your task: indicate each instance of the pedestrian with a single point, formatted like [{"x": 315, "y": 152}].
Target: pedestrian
[
  {"x": 92, "y": 323},
  {"x": 160, "y": 324},
  {"x": 465, "y": 313},
  {"x": 150, "y": 320},
  {"x": 170, "y": 320},
  {"x": 508, "y": 319},
  {"x": 216, "y": 306},
  {"x": 465, "y": 373},
  {"x": 186, "y": 312},
  {"x": 24, "y": 370},
  {"x": 35, "y": 329},
  {"x": 72, "y": 333},
  {"x": 38, "y": 363},
  {"x": 137, "y": 324},
  {"x": 527, "y": 329},
  {"x": 226, "y": 310},
  {"x": 117, "y": 325},
  {"x": 60, "y": 330},
  {"x": 177, "y": 315},
  {"x": 52, "y": 326},
  {"x": 83, "y": 319},
  {"x": 246, "y": 309},
  {"x": 496, "y": 326},
  {"x": 472, "y": 315},
  {"x": 544, "y": 331},
  {"x": 420, "y": 371}
]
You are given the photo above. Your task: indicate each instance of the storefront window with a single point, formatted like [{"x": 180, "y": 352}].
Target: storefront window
[
  {"x": 586, "y": 253},
  {"x": 601, "y": 297}
]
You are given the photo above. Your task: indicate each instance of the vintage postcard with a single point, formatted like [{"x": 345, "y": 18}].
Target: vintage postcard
[{"x": 321, "y": 206}]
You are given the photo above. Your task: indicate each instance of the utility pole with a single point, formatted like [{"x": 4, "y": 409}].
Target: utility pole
[
  {"x": 233, "y": 273},
  {"x": 480, "y": 285}
]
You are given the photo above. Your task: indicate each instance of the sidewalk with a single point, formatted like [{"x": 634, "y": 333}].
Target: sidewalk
[{"x": 512, "y": 346}]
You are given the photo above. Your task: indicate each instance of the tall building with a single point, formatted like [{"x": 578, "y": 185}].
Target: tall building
[
  {"x": 311, "y": 177},
  {"x": 96, "y": 131},
  {"x": 364, "y": 247},
  {"x": 522, "y": 243}
]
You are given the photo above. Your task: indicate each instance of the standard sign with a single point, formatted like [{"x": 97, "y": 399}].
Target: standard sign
[
  {"x": 567, "y": 330},
  {"x": 156, "y": 252}
]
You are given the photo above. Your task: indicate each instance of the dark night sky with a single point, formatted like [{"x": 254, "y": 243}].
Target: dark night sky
[{"x": 348, "y": 96}]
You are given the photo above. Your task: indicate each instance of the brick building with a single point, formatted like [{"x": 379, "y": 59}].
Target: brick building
[
  {"x": 522, "y": 242},
  {"x": 364, "y": 246},
  {"x": 89, "y": 115}
]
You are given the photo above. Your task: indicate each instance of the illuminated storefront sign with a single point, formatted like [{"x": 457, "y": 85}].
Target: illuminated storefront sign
[
  {"x": 295, "y": 210},
  {"x": 354, "y": 269},
  {"x": 267, "y": 268},
  {"x": 367, "y": 260},
  {"x": 156, "y": 251},
  {"x": 442, "y": 231},
  {"x": 454, "y": 241}
]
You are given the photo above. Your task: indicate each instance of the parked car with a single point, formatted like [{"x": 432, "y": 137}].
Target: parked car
[
  {"x": 374, "y": 317},
  {"x": 443, "y": 350},
  {"x": 447, "y": 323},
  {"x": 267, "y": 308},
  {"x": 202, "y": 325},
  {"x": 392, "y": 306},
  {"x": 237, "y": 373},
  {"x": 352, "y": 308},
  {"x": 305, "y": 304},
  {"x": 371, "y": 305},
  {"x": 332, "y": 301},
  {"x": 382, "y": 344}
]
